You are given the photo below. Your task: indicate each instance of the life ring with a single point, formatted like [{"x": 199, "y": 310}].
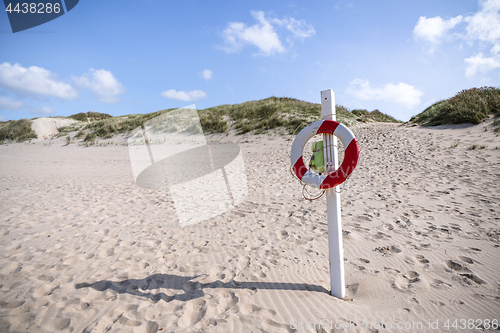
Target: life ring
[{"x": 338, "y": 176}]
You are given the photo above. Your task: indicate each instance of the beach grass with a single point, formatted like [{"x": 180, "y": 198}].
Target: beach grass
[
  {"x": 468, "y": 106},
  {"x": 282, "y": 114},
  {"x": 80, "y": 134},
  {"x": 364, "y": 115},
  {"x": 476, "y": 146},
  {"x": 64, "y": 131},
  {"x": 90, "y": 137},
  {"x": 262, "y": 115},
  {"x": 271, "y": 113},
  {"x": 109, "y": 127},
  {"x": 496, "y": 124},
  {"x": 16, "y": 130},
  {"x": 89, "y": 116}
]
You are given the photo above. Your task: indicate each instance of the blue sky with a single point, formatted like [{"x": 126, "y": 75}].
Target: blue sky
[{"x": 124, "y": 57}]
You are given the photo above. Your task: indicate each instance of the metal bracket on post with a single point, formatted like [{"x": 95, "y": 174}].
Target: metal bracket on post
[{"x": 333, "y": 212}]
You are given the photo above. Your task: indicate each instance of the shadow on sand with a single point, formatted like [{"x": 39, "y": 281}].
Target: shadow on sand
[{"x": 144, "y": 287}]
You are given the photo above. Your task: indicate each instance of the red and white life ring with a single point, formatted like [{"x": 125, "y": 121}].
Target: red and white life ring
[{"x": 338, "y": 176}]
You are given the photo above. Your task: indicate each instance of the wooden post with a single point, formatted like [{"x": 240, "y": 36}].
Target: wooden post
[{"x": 333, "y": 213}]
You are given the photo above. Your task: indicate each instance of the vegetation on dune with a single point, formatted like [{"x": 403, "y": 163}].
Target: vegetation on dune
[
  {"x": 63, "y": 131},
  {"x": 468, "y": 106},
  {"x": 109, "y": 127},
  {"x": 16, "y": 130},
  {"x": 89, "y": 116},
  {"x": 266, "y": 114},
  {"x": 91, "y": 137},
  {"x": 287, "y": 115},
  {"x": 496, "y": 124},
  {"x": 364, "y": 115}
]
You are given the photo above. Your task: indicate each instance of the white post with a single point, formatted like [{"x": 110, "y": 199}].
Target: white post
[{"x": 335, "y": 248}]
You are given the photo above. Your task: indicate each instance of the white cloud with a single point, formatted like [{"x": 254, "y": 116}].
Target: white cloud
[
  {"x": 483, "y": 27},
  {"x": 9, "y": 104},
  {"x": 43, "y": 110},
  {"x": 2, "y": 118},
  {"x": 104, "y": 86},
  {"x": 480, "y": 63},
  {"x": 433, "y": 29},
  {"x": 299, "y": 28},
  {"x": 34, "y": 81},
  {"x": 262, "y": 35},
  {"x": 485, "y": 24},
  {"x": 207, "y": 74},
  {"x": 184, "y": 95},
  {"x": 401, "y": 93}
]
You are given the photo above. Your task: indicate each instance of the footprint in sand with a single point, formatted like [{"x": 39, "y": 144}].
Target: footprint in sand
[
  {"x": 11, "y": 268},
  {"x": 129, "y": 322},
  {"x": 352, "y": 290},
  {"x": 45, "y": 290},
  {"x": 282, "y": 234},
  {"x": 226, "y": 300},
  {"x": 392, "y": 271},
  {"x": 60, "y": 324},
  {"x": 196, "y": 263},
  {"x": 405, "y": 281},
  {"x": 359, "y": 268},
  {"x": 421, "y": 259},
  {"x": 436, "y": 283},
  {"x": 275, "y": 325},
  {"x": 466, "y": 259},
  {"x": 363, "y": 260},
  {"x": 11, "y": 305},
  {"x": 412, "y": 276},
  {"x": 249, "y": 308},
  {"x": 389, "y": 226},
  {"x": 467, "y": 277},
  {"x": 457, "y": 267},
  {"x": 381, "y": 235},
  {"x": 243, "y": 262},
  {"x": 193, "y": 312},
  {"x": 388, "y": 250},
  {"x": 473, "y": 249},
  {"x": 45, "y": 278}
]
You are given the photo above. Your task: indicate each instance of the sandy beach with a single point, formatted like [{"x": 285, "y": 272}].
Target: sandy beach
[{"x": 84, "y": 249}]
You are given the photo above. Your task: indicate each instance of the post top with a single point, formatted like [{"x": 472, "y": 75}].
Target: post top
[{"x": 328, "y": 104}]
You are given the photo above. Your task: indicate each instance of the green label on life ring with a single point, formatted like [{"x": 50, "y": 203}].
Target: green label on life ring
[{"x": 317, "y": 159}]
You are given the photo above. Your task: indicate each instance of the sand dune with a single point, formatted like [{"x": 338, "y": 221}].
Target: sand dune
[
  {"x": 84, "y": 249},
  {"x": 46, "y": 128}
]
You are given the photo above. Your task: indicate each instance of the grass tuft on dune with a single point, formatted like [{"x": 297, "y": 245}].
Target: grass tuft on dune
[
  {"x": 89, "y": 116},
  {"x": 468, "y": 106},
  {"x": 366, "y": 116},
  {"x": 16, "y": 130}
]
